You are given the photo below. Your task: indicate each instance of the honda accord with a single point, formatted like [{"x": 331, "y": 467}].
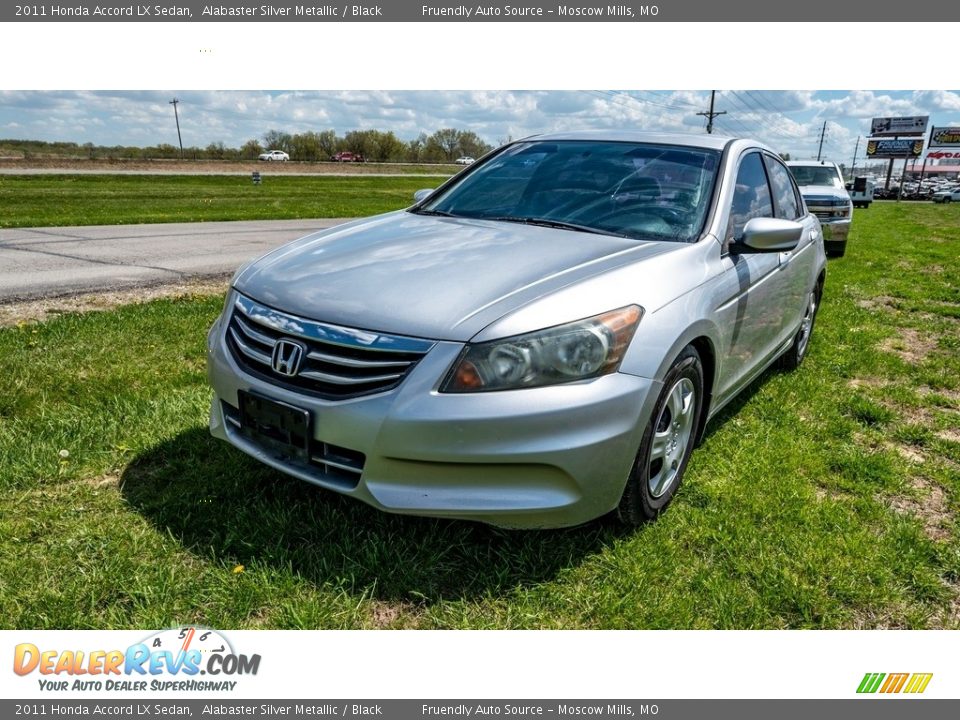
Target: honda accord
[{"x": 536, "y": 343}]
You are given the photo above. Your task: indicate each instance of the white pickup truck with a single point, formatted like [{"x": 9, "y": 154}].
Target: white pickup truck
[{"x": 821, "y": 184}]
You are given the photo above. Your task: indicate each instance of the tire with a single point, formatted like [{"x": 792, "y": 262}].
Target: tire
[
  {"x": 667, "y": 442},
  {"x": 792, "y": 358}
]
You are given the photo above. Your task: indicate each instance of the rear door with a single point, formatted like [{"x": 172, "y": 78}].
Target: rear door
[{"x": 797, "y": 266}]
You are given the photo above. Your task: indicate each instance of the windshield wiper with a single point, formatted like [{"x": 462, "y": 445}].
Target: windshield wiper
[
  {"x": 560, "y": 224},
  {"x": 438, "y": 213}
]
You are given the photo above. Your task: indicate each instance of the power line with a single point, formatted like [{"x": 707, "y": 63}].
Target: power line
[
  {"x": 619, "y": 98},
  {"x": 759, "y": 113},
  {"x": 764, "y": 102},
  {"x": 672, "y": 99}
]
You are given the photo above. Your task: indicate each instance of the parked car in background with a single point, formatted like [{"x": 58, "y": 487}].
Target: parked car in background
[
  {"x": 536, "y": 343},
  {"x": 465, "y": 160},
  {"x": 949, "y": 195},
  {"x": 347, "y": 156},
  {"x": 274, "y": 156},
  {"x": 821, "y": 184}
]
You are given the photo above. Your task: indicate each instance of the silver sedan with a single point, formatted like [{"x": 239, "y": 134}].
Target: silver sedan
[{"x": 536, "y": 343}]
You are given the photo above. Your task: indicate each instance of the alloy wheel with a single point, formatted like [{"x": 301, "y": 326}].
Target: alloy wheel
[
  {"x": 806, "y": 325},
  {"x": 671, "y": 437}
]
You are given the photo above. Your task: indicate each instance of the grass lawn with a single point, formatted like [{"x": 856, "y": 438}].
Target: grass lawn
[
  {"x": 826, "y": 498},
  {"x": 46, "y": 200}
]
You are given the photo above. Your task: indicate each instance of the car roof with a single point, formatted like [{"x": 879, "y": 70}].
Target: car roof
[
  {"x": 713, "y": 142},
  {"x": 812, "y": 163}
]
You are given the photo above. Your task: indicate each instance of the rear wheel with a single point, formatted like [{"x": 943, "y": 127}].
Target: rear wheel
[{"x": 667, "y": 442}]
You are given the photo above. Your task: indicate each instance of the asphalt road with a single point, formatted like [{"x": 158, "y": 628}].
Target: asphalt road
[{"x": 52, "y": 261}]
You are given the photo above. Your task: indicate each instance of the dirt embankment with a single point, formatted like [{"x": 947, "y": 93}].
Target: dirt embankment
[{"x": 31, "y": 311}]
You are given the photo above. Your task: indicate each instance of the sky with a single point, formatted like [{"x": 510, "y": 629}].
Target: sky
[{"x": 790, "y": 121}]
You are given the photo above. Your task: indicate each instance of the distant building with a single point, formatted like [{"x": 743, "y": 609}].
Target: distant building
[{"x": 937, "y": 167}]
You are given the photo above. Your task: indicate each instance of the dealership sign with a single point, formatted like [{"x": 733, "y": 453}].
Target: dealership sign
[
  {"x": 916, "y": 125},
  {"x": 907, "y": 148},
  {"x": 945, "y": 137}
]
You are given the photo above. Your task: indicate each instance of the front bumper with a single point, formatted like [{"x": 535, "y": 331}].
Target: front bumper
[
  {"x": 540, "y": 457},
  {"x": 836, "y": 230},
  {"x": 835, "y": 233}
]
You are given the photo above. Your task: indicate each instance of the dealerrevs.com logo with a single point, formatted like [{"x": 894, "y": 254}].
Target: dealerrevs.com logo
[{"x": 182, "y": 659}]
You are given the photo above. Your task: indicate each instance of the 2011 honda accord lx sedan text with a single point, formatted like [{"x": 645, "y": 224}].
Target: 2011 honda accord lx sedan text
[{"x": 538, "y": 342}]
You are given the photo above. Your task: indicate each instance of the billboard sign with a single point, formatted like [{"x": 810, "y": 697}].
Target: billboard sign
[
  {"x": 906, "y": 148},
  {"x": 945, "y": 137},
  {"x": 890, "y": 126}
]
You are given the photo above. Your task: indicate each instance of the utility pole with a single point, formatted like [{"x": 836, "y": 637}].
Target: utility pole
[
  {"x": 853, "y": 168},
  {"x": 822, "y": 133},
  {"x": 711, "y": 114},
  {"x": 177, "y": 118}
]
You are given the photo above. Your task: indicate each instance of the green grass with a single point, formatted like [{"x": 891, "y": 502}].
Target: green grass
[
  {"x": 824, "y": 498},
  {"x": 57, "y": 200}
]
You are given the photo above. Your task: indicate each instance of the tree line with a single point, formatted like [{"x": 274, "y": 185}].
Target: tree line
[{"x": 444, "y": 145}]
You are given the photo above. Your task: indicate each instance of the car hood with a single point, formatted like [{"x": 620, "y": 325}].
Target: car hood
[
  {"x": 827, "y": 191},
  {"x": 431, "y": 277}
]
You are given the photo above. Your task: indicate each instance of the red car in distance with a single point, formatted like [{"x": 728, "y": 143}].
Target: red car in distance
[{"x": 347, "y": 156}]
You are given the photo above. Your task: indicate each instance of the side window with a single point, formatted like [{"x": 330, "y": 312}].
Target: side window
[
  {"x": 751, "y": 197},
  {"x": 784, "y": 194}
]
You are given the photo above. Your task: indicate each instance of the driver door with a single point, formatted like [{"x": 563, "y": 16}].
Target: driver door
[{"x": 751, "y": 317}]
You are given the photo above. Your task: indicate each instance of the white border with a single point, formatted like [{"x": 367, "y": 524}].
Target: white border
[
  {"x": 436, "y": 56},
  {"x": 543, "y": 664},
  {"x": 476, "y": 56}
]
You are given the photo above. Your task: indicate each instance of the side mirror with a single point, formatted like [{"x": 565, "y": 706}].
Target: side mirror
[
  {"x": 770, "y": 235},
  {"x": 421, "y": 195}
]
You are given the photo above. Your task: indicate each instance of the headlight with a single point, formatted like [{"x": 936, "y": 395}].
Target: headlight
[{"x": 576, "y": 351}]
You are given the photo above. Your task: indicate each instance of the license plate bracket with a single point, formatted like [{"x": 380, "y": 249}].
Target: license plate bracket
[{"x": 280, "y": 427}]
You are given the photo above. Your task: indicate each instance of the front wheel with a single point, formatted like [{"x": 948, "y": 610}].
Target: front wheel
[{"x": 667, "y": 442}]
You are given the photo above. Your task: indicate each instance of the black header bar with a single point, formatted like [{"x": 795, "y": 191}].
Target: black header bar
[{"x": 857, "y": 11}]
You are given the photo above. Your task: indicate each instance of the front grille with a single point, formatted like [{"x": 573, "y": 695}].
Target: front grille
[
  {"x": 832, "y": 214},
  {"x": 337, "y": 363},
  {"x": 331, "y": 463}
]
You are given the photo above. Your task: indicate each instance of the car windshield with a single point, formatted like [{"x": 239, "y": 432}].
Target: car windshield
[
  {"x": 635, "y": 190},
  {"x": 816, "y": 175}
]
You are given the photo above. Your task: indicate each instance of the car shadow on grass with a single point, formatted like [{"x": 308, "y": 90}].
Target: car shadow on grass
[
  {"x": 733, "y": 408},
  {"x": 224, "y": 506}
]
